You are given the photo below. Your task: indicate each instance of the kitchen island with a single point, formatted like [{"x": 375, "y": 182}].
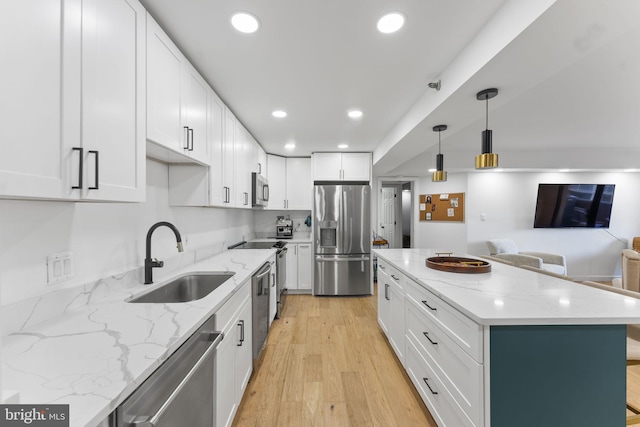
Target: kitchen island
[
  {"x": 98, "y": 348},
  {"x": 508, "y": 347}
]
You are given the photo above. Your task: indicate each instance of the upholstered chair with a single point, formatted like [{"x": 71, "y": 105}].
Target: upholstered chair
[
  {"x": 506, "y": 249},
  {"x": 630, "y": 261}
]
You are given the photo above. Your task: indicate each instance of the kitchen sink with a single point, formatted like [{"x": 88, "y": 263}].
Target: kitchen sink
[{"x": 188, "y": 287}]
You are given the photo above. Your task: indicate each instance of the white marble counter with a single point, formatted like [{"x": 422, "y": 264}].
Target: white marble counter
[
  {"x": 514, "y": 296},
  {"x": 94, "y": 354},
  {"x": 302, "y": 239}
]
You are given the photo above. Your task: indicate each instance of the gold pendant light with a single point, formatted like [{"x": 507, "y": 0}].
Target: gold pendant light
[
  {"x": 439, "y": 175},
  {"x": 487, "y": 160}
]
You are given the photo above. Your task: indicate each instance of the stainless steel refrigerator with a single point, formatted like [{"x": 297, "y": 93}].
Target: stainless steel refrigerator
[{"x": 342, "y": 240}]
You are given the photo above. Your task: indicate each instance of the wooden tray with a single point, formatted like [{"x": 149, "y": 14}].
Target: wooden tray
[{"x": 455, "y": 264}]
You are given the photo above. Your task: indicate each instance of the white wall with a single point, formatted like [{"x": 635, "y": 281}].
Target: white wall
[
  {"x": 105, "y": 238},
  {"x": 443, "y": 236},
  {"x": 508, "y": 202}
]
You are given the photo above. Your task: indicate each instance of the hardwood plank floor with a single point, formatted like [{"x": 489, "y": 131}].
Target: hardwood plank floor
[{"x": 326, "y": 363}]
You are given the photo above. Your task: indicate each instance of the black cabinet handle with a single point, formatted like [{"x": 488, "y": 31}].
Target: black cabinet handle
[
  {"x": 80, "y": 164},
  {"x": 430, "y": 389},
  {"x": 241, "y": 324},
  {"x": 190, "y": 133},
  {"x": 186, "y": 138},
  {"x": 95, "y": 187},
  {"x": 426, "y": 334},
  {"x": 430, "y": 308},
  {"x": 395, "y": 278}
]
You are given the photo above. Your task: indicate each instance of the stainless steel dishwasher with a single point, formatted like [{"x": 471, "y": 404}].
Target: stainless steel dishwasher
[
  {"x": 260, "y": 307},
  {"x": 181, "y": 391}
]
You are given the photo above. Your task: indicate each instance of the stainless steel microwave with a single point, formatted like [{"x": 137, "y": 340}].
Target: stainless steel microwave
[{"x": 259, "y": 191}]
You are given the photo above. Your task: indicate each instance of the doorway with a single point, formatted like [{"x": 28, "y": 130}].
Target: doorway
[{"x": 395, "y": 213}]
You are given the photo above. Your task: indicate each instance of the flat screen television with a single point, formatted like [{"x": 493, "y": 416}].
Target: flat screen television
[{"x": 573, "y": 205}]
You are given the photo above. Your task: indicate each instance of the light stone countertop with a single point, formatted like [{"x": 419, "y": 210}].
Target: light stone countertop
[
  {"x": 94, "y": 355},
  {"x": 514, "y": 296}
]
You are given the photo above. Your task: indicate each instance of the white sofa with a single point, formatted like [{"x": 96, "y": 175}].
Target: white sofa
[{"x": 507, "y": 250}]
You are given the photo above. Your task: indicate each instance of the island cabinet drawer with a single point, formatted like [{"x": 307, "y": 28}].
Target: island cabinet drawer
[
  {"x": 460, "y": 374},
  {"x": 463, "y": 331},
  {"x": 439, "y": 401},
  {"x": 390, "y": 272},
  {"x": 226, "y": 314}
]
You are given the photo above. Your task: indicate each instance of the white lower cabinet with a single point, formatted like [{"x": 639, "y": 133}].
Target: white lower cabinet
[
  {"x": 391, "y": 314},
  {"x": 305, "y": 276},
  {"x": 234, "y": 355},
  {"x": 440, "y": 348},
  {"x": 299, "y": 267}
]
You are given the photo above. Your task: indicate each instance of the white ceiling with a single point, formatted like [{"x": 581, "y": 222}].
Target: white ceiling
[{"x": 568, "y": 82}]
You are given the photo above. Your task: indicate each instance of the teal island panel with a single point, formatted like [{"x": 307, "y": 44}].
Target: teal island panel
[{"x": 558, "y": 376}]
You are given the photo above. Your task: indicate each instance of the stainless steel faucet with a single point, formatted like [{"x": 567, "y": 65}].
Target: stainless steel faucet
[{"x": 150, "y": 263}]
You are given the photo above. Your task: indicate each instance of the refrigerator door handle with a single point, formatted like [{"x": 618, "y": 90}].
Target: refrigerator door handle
[{"x": 333, "y": 258}]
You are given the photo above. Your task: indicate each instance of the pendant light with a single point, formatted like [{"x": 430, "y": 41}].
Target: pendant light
[
  {"x": 487, "y": 160},
  {"x": 439, "y": 175}
]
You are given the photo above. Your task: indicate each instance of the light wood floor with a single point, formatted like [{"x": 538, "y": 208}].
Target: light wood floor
[{"x": 327, "y": 363}]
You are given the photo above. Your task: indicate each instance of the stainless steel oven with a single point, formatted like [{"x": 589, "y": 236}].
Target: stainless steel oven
[{"x": 181, "y": 391}]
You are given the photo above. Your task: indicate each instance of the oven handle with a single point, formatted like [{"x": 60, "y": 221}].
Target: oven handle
[{"x": 144, "y": 421}]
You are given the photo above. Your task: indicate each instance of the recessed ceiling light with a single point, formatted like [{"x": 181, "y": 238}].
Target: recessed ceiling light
[
  {"x": 290, "y": 146},
  {"x": 245, "y": 22},
  {"x": 343, "y": 146},
  {"x": 564, "y": 170},
  {"x": 279, "y": 114},
  {"x": 391, "y": 22},
  {"x": 355, "y": 114}
]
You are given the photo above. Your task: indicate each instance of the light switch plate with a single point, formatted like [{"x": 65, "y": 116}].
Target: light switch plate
[{"x": 59, "y": 267}]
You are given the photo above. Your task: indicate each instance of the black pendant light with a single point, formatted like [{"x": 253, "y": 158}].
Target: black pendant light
[
  {"x": 487, "y": 160},
  {"x": 439, "y": 175}
]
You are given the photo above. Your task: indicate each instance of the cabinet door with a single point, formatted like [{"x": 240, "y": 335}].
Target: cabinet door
[
  {"x": 194, "y": 114},
  {"x": 327, "y": 166},
  {"x": 244, "y": 353},
  {"x": 304, "y": 266},
  {"x": 225, "y": 379},
  {"x": 383, "y": 298},
  {"x": 218, "y": 147},
  {"x": 242, "y": 167},
  {"x": 396, "y": 331},
  {"x": 298, "y": 183},
  {"x": 277, "y": 182},
  {"x": 164, "y": 65},
  {"x": 113, "y": 75},
  {"x": 40, "y": 101},
  {"x": 262, "y": 160},
  {"x": 229, "y": 156},
  {"x": 356, "y": 166},
  {"x": 292, "y": 266}
]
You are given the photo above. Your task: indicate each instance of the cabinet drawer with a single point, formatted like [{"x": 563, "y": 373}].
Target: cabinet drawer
[
  {"x": 226, "y": 314},
  {"x": 390, "y": 274},
  {"x": 440, "y": 403},
  {"x": 463, "y": 331},
  {"x": 461, "y": 375}
]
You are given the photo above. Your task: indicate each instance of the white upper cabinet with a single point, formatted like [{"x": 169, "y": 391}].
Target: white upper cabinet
[
  {"x": 276, "y": 168},
  {"x": 298, "y": 183},
  {"x": 341, "y": 166},
  {"x": 113, "y": 75},
  {"x": 290, "y": 184},
  {"x": 177, "y": 102},
  {"x": 262, "y": 160},
  {"x": 67, "y": 68}
]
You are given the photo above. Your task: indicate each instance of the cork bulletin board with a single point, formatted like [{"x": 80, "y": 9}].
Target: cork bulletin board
[{"x": 442, "y": 207}]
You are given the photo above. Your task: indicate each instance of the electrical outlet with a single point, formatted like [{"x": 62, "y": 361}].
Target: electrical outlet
[{"x": 59, "y": 267}]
